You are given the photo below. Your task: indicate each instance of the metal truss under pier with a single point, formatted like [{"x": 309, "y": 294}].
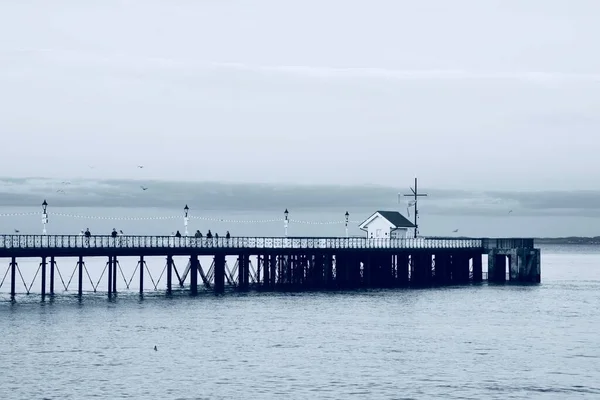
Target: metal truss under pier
[{"x": 272, "y": 263}]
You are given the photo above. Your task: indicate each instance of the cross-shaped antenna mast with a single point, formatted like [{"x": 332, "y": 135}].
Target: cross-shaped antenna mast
[{"x": 415, "y": 193}]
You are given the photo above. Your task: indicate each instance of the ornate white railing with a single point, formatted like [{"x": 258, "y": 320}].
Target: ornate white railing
[{"x": 99, "y": 242}]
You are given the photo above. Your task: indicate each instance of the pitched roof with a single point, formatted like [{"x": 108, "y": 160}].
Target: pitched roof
[{"x": 396, "y": 219}]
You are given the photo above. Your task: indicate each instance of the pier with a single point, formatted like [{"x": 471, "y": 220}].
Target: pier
[{"x": 273, "y": 263}]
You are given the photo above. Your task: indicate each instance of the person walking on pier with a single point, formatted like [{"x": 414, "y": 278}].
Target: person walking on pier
[
  {"x": 227, "y": 236},
  {"x": 209, "y": 235},
  {"x": 87, "y": 233},
  {"x": 177, "y": 234},
  {"x": 198, "y": 234},
  {"x": 114, "y": 233}
]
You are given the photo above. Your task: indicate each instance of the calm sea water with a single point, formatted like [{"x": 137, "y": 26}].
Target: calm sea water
[{"x": 474, "y": 342}]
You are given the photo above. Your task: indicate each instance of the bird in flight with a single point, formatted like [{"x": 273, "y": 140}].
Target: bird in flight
[
  {"x": 60, "y": 191},
  {"x": 17, "y": 231},
  {"x": 456, "y": 230},
  {"x": 144, "y": 187},
  {"x": 140, "y": 166},
  {"x": 510, "y": 211}
]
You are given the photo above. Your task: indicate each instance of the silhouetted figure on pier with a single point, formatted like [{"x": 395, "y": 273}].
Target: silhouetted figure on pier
[
  {"x": 155, "y": 349},
  {"x": 209, "y": 235},
  {"x": 177, "y": 234},
  {"x": 216, "y": 235},
  {"x": 87, "y": 233},
  {"x": 227, "y": 236},
  {"x": 114, "y": 233},
  {"x": 198, "y": 234}
]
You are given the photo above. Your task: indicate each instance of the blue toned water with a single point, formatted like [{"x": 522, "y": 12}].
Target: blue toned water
[{"x": 475, "y": 342}]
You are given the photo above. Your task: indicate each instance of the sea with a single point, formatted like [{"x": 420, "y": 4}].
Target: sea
[{"x": 465, "y": 342}]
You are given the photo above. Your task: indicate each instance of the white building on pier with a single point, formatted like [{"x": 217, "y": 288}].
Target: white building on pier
[{"x": 386, "y": 225}]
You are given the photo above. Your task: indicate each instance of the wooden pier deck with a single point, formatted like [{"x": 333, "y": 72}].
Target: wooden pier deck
[{"x": 286, "y": 263}]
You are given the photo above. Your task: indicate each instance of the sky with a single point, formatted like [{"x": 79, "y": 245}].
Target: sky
[{"x": 466, "y": 95}]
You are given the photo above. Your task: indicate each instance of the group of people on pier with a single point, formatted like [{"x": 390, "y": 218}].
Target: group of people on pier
[
  {"x": 209, "y": 235},
  {"x": 198, "y": 234}
]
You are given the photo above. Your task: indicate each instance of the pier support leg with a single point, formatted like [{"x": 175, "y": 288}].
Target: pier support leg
[
  {"x": 328, "y": 265},
  {"x": 340, "y": 271},
  {"x": 402, "y": 269},
  {"x": 43, "y": 276},
  {"x": 244, "y": 271},
  {"x": 110, "y": 275},
  {"x": 194, "y": 275},
  {"x": 443, "y": 264},
  {"x": 273, "y": 271},
  {"x": 141, "y": 274},
  {"x": 525, "y": 265},
  {"x": 52, "y": 265},
  {"x": 219, "y": 273},
  {"x": 13, "y": 277},
  {"x": 477, "y": 268},
  {"x": 266, "y": 265},
  {"x": 80, "y": 276},
  {"x": 460, "y": 268},
  {"x": 496, "y": 267},
  {"x": 169, "y": 274},
  {"x": 114, "y": 275}
]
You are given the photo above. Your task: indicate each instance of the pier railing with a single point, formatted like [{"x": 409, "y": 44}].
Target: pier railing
[{"x": 141, "y": 242}]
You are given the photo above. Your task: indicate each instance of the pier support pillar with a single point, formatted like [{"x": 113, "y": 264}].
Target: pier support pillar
[
  {"x": 244, "y": 271},
  {"x": 496, "y": 266},
  {"x": 114, "y": 275},
  {"x": 110, "y": 275},
  {"x": 402, "y": 265},
  {"x": 460, "y": 268},
  {"x": 443, "y": 265},
  {"x": 80, "y": 276},
  {"x": 52, "y": 265},
  {"x": 169, "y": 274},
  {"x": 194, "y": 275},
  {"x": 328, "y": 265},
  {"x": 273, "y": 270},
  {"x": 13, "y": 277},
  {"x": 141, "y": 274},
  {"x": 219, "y": 273},
  {"x": 421, "y": 269},
  {"x": 266, "y": 264},
  {"x": 43, "y": 276},
  {"x": 525, "y": 265},
  {"x": 477, "y": 268}
]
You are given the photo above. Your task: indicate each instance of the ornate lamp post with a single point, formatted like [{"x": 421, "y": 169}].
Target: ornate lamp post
[
  {"x": 286, "y": 221},
  {"x": 347, "y": 216},
  {"x": 186, "y": 209},
  {"x": 44, "y": 217}
]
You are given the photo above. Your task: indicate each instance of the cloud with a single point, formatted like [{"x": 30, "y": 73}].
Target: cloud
[
  {"x": 128, "y": 61},
  {"x": 242, "y": 197}
]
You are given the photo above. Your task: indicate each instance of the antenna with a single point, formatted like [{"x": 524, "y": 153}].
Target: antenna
[{"x": 415, "y": 193}]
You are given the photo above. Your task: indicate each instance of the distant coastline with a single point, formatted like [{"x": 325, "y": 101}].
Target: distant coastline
[{"x": 569, "y": 240}]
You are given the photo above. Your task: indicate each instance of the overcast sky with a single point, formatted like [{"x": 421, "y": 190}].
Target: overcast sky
[{"x": 474, "y": 94}]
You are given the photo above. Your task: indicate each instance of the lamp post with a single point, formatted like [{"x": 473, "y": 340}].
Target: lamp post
[
  {"x": 44, "y": 217},
  {"x": 286, "y": 221},
  {"x": 185, "y": 219},
  {"x": 347, "y": 216}
]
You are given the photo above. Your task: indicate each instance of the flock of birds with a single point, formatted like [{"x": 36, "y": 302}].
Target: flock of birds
[{"x": 66, "y": 183}]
